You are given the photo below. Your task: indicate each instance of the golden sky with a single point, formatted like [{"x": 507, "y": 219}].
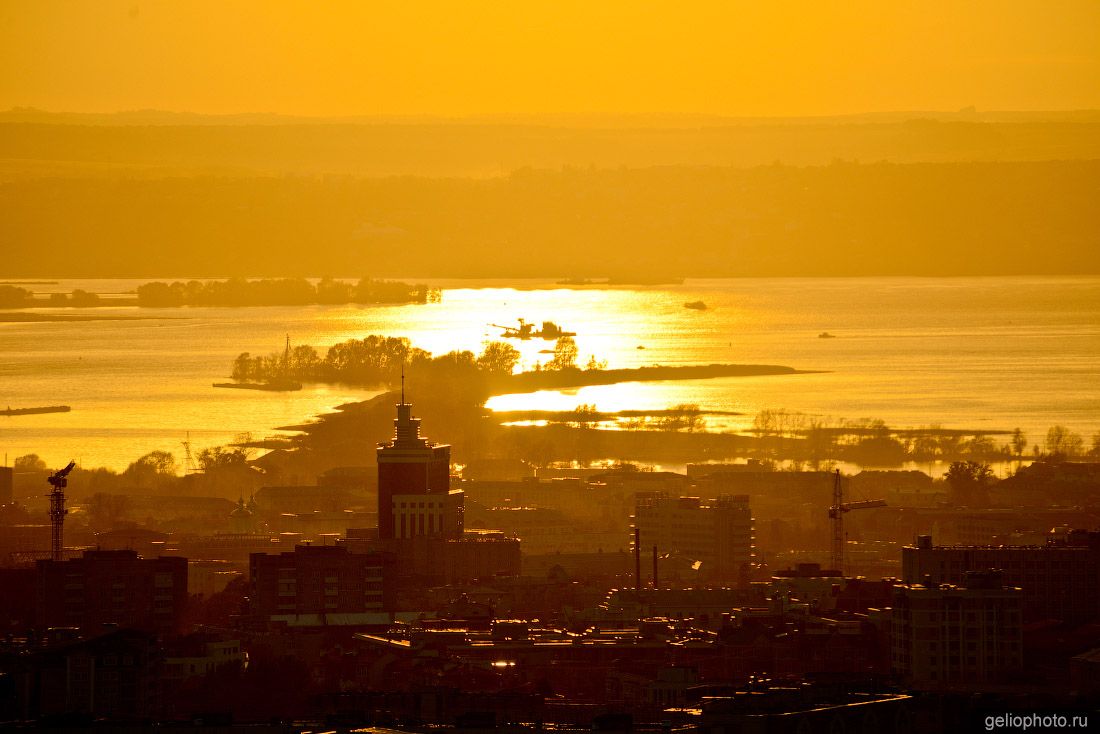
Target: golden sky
[{"x": 559, "y": 56}]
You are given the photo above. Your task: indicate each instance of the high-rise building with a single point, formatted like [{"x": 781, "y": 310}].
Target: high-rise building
[
  {"x": 7, "y": 484},
  {"x": 414, "y": 485},
  {"x": 716, "y": 534},
  {"x": 946, "y": 635},
  {"x": 315, "y": 580},
  {"x": 116, "y": 587},
  {"x": 1060, "y": 580}
]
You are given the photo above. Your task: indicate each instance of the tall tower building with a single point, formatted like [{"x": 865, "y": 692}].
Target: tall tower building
[{"x": 414, "y": 484}]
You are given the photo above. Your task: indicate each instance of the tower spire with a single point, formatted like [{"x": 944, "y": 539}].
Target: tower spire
[{"x": 402, "y": 382}]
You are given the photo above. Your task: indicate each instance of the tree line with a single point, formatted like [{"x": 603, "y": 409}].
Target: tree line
[
  {"x": 379, "y": 360},
  {"x": 784, "y": 434},
  {"x": 15, "y": 297},
  {"x": 282, "y": 292},
  {"x": 645, "y": 222},
  {"x": 238, "y": 292}
]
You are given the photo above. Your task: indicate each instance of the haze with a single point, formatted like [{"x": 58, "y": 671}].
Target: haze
[
  {"x": 479, "y": 57},
  {"x": 549, "y": 139}
]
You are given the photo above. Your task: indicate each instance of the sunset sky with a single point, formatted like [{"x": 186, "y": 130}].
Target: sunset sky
[{"x": 567, "y": 56}]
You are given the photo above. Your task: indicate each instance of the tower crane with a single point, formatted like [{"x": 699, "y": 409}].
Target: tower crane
[
  {"x": 57, "y": 509},
  {"x": 836, "y": 514}
]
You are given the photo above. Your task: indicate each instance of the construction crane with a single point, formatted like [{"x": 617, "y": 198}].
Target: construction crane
[
  {"x": 836, "y": 514},
  {"x": 57, "y": 509}
]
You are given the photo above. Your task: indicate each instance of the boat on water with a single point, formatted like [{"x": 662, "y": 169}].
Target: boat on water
[
  {"x": 826, "y": 335},
  {"x": 36, "y": 411},
  {"x": 549, "y": 330},
  {"x": 696, "y": 305}
]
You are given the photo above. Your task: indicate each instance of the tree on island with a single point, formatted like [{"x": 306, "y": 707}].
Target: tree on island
[
  {"x": 30, "y": 463},
  {"x": 280, "y": 292},
  {"x": 378, "y": 360},
  {"x": 969, "y": 483},
  {"x": 84, "y": 299},
  {"x": 1019, "y": 443},
  {"x": 595, "y": 365},
  {"x": 499, "y": 358},
  {"x": 1063, "y": 443},
  {"x": 685, "y": 417},
  {"x": 152, "y": 471},
  {"x": 222, "y": 457},
  {"x": 565, "y": 354},
  {"x": 13, "y": 297}
]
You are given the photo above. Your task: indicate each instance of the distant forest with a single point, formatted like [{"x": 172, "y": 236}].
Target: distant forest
[
  {"x": 152, "y": 194},
  {"x": 838, "y": 219},
  {"x": 143, "y": 146}
]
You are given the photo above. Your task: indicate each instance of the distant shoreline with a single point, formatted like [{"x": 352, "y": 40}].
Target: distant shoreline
[{"x": 31, "y": 318}]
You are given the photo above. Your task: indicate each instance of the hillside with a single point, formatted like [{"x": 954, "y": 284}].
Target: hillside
[{"x": 838, "y": 219}]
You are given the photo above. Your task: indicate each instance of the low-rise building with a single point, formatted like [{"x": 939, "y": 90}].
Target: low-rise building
[{"x": 197, "y": 655}]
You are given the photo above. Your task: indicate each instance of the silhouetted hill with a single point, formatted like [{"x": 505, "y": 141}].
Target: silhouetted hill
[
  {"x": 188, "y": 145},
  {"x": 840, "y": 219},
  {"x": 672, "y": 120}
]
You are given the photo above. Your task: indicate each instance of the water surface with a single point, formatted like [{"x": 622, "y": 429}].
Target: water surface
[{"x": 986, "y": 353}]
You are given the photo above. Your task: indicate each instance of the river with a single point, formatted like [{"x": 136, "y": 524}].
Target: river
[{"x": 983, "y": 353}]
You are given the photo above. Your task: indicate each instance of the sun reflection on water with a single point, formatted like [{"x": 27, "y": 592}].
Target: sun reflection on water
[{"x": 140, "y": 385}]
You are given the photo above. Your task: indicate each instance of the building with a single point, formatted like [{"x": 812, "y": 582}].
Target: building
[
  {"x": 804, "y": 707},
  {"x": 197, "y": 655},
  {"x": 315, "y": 580},
  {"x": 113, "y": 676},
  {"x": 1060, "y": 580},
  {"x": 7, "y": 485},
  {"x": 808, "y": 582},
  {"x": 716, "y": 534},
  {"x": 112, "y": 587},
  {"x": 427, "y": 560},
  {"x": 957, "y": 636},
  {"x": 300, "y": 499},
  {"x": 414, "y": 484},
  {"x": 421, "y": 519}
]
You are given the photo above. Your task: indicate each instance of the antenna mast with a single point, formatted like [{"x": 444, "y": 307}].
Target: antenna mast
[
  {"x": 189, "y": 465},
  {"x": 57, "y": 510}
]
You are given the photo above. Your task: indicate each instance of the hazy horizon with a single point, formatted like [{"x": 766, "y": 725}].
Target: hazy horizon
[
  {"x": 731, "y": 59},
  {"x": 495, "y": 140}
]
